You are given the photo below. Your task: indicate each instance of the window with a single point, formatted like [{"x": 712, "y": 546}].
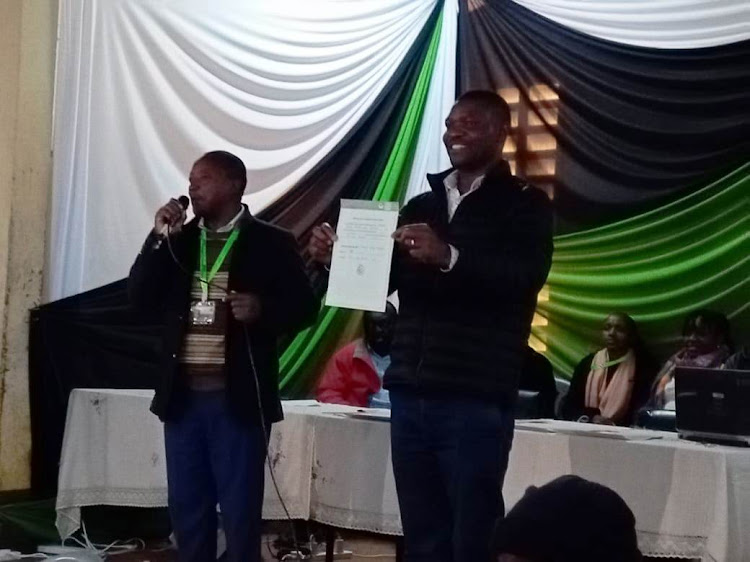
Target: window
[
  {"x": 531, "y": 151},
  {"x": 531, "y": 148}
]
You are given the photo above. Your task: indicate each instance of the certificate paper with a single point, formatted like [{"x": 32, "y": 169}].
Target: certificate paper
[{"x": 361, "y": 260}]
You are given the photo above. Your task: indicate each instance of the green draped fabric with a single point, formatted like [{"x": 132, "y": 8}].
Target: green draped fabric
[
  {"x": 657, "y": 267},
  {"x": 35, "y": 519},
  {"x": 303, "y": 358}
]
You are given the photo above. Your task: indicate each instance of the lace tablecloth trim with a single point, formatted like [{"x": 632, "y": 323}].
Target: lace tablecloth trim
[
  {"x": 356, "y": 520},
  {"x": 670, "y": 546}
]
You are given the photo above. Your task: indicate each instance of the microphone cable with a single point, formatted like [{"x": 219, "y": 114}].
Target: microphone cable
[{"x": 264, "y": 426}]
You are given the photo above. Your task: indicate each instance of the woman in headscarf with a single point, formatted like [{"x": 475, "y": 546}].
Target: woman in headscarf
[
  {"x": 610, "y": 385},
  {"x": 706, "y": 344}
]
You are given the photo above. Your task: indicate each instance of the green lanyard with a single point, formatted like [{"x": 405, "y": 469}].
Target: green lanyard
[{"x": 207, "y": 276}]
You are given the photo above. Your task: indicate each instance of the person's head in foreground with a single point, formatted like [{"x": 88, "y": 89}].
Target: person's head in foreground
[
  {"x": 567, "y": 520},
  {"x": 379, "y": 328}
]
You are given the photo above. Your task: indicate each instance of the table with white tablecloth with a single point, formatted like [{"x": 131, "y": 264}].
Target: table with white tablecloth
[{"x": 333, "y": 465}]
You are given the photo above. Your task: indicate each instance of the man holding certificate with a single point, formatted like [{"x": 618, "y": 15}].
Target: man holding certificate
[{"x": 471, "y": 256}]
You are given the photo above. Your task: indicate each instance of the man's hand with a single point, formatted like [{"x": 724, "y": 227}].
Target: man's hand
[
  {"x": 321, "y": 242},
  {"x": 171, "y": 214},
  {"x": 423, "y": 244},
  {"x": 244, "y": 306}
]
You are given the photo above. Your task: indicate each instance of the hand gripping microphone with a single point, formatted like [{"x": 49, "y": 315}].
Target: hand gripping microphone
[{"x": 184, "y": 203}]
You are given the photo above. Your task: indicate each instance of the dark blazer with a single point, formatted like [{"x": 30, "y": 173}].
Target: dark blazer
[
  {"x": 465, "y": 332},
  {"x": 264, "y": 262}
]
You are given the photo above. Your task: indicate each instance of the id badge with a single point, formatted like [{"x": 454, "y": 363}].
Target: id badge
[{"x": 202, "y": 313}]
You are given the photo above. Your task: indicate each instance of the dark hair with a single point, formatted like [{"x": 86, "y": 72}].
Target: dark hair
[
  {"x": 490, "y": 101},
  {"x": 230, "y": 164},
  {"x": 569, "y": 520},
  {"x": 636, "y": 342},
  {"x": 713, "y": 320}
]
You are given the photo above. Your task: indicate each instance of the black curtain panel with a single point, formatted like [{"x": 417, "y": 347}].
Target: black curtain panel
[
  {"x": 632, "y": 127},
  {"x": 91, "y": 340}
]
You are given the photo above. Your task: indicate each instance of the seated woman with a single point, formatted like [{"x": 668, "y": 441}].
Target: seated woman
[
  {"x": 610, "y": 385},
  {"x": 706, "y": 343}
]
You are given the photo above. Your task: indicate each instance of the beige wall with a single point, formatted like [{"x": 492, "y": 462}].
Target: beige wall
[{"x": 27, "y": 44}]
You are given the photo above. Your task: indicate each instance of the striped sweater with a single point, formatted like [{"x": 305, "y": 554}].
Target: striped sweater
[{"x": 203, "y": 352}]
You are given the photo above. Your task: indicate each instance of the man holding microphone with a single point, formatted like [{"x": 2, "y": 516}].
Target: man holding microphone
[
  {"x": 225, "y": 286},
  {"x": 471, "y": 256}
]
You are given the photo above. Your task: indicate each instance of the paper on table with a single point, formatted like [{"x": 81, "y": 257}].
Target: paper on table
[
  {"x": 361, "y": 260},
  {"x": 587, "y": 429},
  {"x": 372, "y": 414}
]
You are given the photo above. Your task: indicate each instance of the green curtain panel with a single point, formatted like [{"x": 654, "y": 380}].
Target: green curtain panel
[
  {"x": 657, "y": 267},
  {"x": 301, "y": 362},
  {"x": 35, "y": 519}
]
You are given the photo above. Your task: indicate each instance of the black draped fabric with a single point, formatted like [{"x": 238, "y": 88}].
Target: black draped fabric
[
  {"x": 635, "y": 127},
  {"x": 94, "y": 340},
  {"x": 91, "y": 340}
]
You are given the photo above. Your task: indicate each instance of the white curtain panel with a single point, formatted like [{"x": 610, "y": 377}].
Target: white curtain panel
[
  {"x": 431, "y": 156},
  {"x": 661, "y": 24},
  {"x": 144, "y": 87}
]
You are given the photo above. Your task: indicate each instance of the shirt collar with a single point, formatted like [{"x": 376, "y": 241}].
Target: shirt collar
[
  {"x": 227, "y": 227},
  {"x": 451, "y": 182}
]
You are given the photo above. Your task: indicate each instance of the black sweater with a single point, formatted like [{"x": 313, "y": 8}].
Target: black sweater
[{"x": 464, "y": 332}]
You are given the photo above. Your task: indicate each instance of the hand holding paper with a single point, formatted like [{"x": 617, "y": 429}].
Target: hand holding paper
[
  {"x": 423, "y": 244},
  {"x": 321, "y": 243},
  {"x": 361, "y": 255}
]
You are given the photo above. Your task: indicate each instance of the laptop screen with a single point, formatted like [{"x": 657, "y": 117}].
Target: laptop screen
[{"x": 715, "y": 401}]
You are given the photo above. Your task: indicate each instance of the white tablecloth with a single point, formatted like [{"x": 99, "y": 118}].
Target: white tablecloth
[{"x": 689, "y": 499}]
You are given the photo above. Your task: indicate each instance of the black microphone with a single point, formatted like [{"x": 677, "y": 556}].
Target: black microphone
[{"x": 184, "y": 203}]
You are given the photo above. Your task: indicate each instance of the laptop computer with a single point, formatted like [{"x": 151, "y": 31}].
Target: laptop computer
[{"x": 713, "y": 404}]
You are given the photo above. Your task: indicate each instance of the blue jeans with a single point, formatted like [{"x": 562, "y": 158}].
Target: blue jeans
[
  {"x": 450, "y": 455},
  {"x": 213, "y": 458}
]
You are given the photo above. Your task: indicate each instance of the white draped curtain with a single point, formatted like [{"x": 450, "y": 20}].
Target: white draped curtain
[
  {"x": 144, "y": 87},
  {"x": 661, "y": 24}
]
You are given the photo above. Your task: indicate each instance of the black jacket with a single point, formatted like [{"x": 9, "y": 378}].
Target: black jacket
[
  {"x": 574, "y": 405},
  {"x": 464, "y": 332},
  {"x": 537, "y": 376},
  {"x": 264, "y": 262}
]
